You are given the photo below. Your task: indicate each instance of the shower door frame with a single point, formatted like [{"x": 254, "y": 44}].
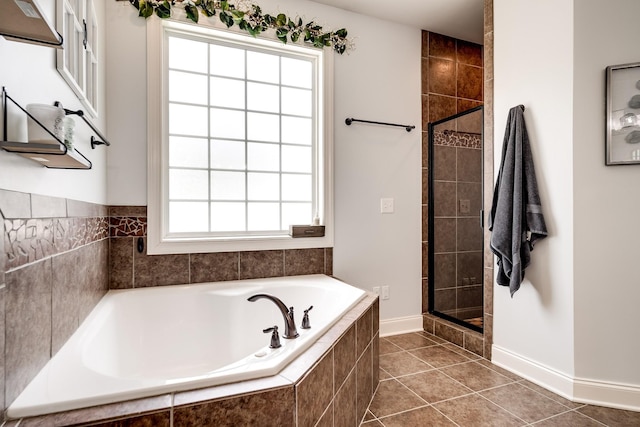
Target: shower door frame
[{"x": 431, "y": 212}]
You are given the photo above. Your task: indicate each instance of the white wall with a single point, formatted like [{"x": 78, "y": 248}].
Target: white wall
[
  {"x": 534, "y": 67},
  {"x": 126, "y": 105},
  {"x": 380, "y": 80},
  {"x": 29, "y": 74},
  {"x": 606, "y": 203},
  {"x": 573, "y": 325}
]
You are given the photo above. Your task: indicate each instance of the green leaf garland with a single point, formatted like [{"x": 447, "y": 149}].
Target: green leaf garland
[{"x": 249, "y": 18}]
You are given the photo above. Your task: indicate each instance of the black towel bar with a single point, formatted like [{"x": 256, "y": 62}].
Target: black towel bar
[{"x": 350, "y": 120}]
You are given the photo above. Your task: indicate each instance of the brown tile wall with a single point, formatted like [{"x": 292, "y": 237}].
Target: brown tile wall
[
  {"x": 456, "y": 334},
  {"x": 331, "y": 384},
  {"x": 132, "y": 269},
  {"x": 488, "y": 176},
  {"x": 457, "y": 76},
  {"x": 58, "y": 257},
  {"x": 451, "y": 77},
  {"x": 53, "y": 270}
]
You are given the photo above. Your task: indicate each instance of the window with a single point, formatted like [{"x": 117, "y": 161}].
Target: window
[
  {"x": 242, "y": 151},
  {"x": 78, "y": 61}
]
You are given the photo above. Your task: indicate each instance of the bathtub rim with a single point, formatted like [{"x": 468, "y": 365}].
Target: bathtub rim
[
  {"x": 290, "y": 375},
  {"x": 169, "y": 401}
]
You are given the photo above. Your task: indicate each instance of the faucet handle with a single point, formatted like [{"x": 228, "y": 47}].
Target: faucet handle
[
  {"x": 275, "y": 337},
  {"x": 305, "y": 319}
]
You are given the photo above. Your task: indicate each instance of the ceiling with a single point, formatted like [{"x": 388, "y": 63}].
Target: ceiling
[{"x": 462, "y": 19}]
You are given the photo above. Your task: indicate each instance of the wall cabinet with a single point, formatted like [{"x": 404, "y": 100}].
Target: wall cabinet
[{"x": 78, "y": 62}]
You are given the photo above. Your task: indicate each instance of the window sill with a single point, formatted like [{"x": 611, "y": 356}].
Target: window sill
[{"x": 157, "y": 246}]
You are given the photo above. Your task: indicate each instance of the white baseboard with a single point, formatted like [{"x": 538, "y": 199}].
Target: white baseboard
[
  {"x": 400, "y": 325},
  {"x": 621, "y": 396},
  {"x": 533, "y": 371}
]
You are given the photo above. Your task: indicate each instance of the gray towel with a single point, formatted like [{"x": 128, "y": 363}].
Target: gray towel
[{"x": 516, "y": 219}]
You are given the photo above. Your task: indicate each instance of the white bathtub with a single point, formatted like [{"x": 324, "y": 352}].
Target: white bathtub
[{"x": 143, "y": 342}]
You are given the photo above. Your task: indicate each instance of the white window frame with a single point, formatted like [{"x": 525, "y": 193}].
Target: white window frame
[
  {"x": 159, "y": 241},
  {"x": 77, "y": 63}
]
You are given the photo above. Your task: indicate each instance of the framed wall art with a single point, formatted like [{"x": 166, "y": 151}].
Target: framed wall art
[{"x": 622, "y": 145}]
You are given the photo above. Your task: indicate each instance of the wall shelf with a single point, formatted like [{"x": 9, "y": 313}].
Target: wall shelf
[
  {"x": 54, "y": 155},
  {"x": 24, "y": 21}
]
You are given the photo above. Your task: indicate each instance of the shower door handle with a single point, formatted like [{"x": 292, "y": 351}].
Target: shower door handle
[{"x": 481, "y": 218}]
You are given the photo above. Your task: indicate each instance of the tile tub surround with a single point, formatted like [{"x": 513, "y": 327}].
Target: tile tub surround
[
  {"x": 59, "y": 256},
  {"x": 53, "y": 270},
  {"x": 131, "y": 269},
  {"x": 332, "y": 383}
]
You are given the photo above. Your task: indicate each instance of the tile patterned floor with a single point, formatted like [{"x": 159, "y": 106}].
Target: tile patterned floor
[{"x": 425, "y": 381}]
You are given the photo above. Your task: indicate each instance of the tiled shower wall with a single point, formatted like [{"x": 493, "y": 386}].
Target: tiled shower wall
[
  {"x": 58, "y": 257},
  {"x": 458, "y": 234},
  {"x": 488, "y": 175},
  {"x": 451, "y": 83},
  {"x": 454, "y": 79}
]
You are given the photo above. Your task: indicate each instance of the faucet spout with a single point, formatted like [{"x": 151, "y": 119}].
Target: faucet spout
[{"x": 290, "y": 330}]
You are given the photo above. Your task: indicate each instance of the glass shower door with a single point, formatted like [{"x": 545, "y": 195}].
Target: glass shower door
[{"x": 455, "y": 218}]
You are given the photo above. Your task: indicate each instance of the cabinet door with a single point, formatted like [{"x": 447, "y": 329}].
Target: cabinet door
[{"x": 77, "y": 62}]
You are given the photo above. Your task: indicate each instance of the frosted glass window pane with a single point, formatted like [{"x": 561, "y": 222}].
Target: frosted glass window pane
[
  {"x": 263, "y": 157},
  {"x": 187, "y": 87},
  {"x": 264, "y": 186},
  {"x": 264, "y": 217},
  {"x": 263, "y": 127},
  {"x": 226, "y": 92},
  {"x": 296, "y": 101},
  {"x": 227, "y": 123},
  {"x": 188, "y": 55},
  {"x": 263, "y": 97},
  {"x": 296, "y": 73},
  {"x": 188, "y": 184},
  {"x": 296, "y": 187},
  {"x": 187, "y": 217},
  {"x": 227, "y": 154},
  {"x": 227, "y": 61},
  {"x": 296, "y": 214},
  {"x": 296, "y": 130},
  {"x": 187, "y": 120},
  {"x": 188, "y": 152},
  {"x": 227, "y": 217},
  {"x": 227, "y": 185},
  {"x": 296, "y": 159},
  {"x": 263, "y": 67}
]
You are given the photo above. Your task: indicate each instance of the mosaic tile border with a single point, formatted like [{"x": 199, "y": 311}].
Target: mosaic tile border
[
  {"x": 38, "y": 227},
  {"x": 125, "y": 226},
  {"x": 452, "y": 138}
]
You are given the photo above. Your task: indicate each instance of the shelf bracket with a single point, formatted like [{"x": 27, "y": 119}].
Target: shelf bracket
[{"x": 80, "y": 113}]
